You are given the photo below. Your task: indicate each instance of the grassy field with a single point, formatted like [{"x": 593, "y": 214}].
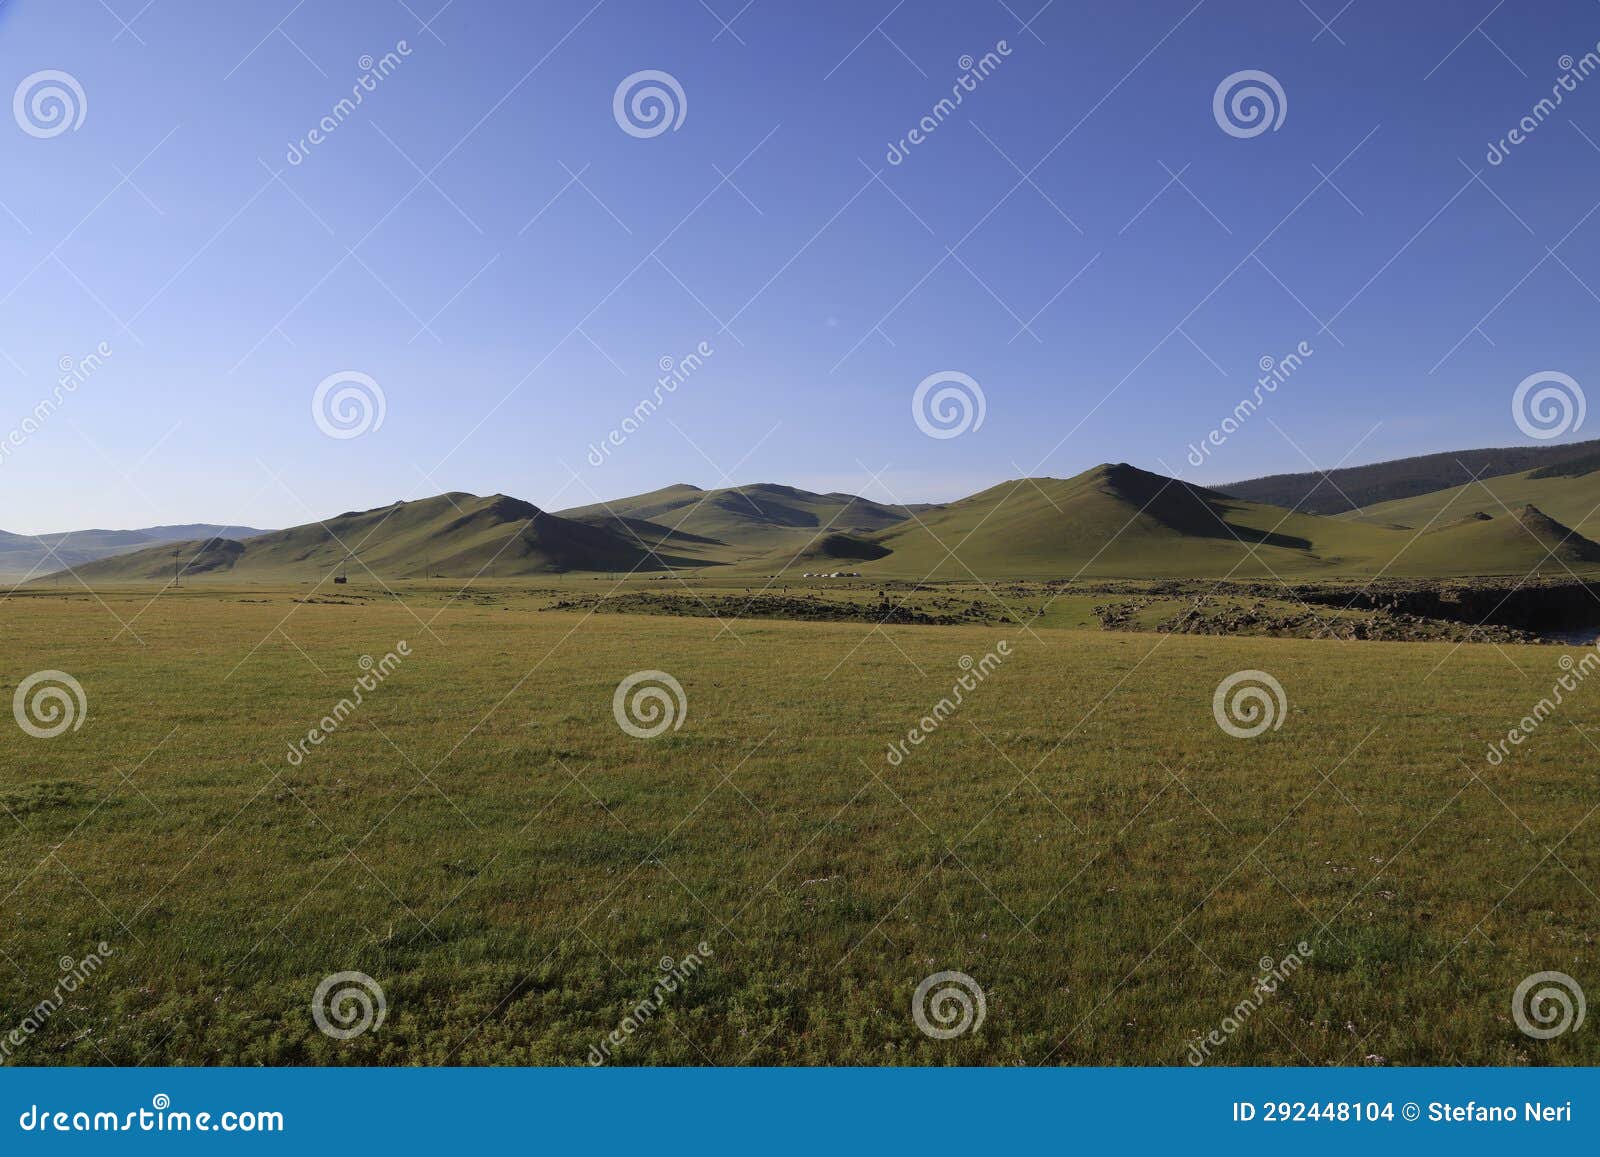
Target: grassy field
[{"x": 485, "y": 841}]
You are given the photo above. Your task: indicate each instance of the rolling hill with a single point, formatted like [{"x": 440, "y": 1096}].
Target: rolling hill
[
  {"x": 1565, "y": 492},
  {"x": 1120, "y": 521},
  {"x": 1355, "y": 487},
  {"x": 1114, "y": 521},
  {"x": 453, "y": 535},
  {"x": 25, "y": 555},
  {"x": 740, "y": 523}
]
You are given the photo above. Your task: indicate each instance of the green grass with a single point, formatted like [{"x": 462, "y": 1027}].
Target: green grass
[
  {"x": 1574, "y": 501},
  {"x": 485, "y": 841}
]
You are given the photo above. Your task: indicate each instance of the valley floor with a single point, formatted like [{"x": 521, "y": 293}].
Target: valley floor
[{"x": 514, "y": 870}]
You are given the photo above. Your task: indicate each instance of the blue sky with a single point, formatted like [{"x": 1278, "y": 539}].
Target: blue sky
[{"x": 484, "y": 241}]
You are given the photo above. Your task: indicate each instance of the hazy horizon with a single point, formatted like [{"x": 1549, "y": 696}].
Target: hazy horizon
[{"x": 904, "y": 499}]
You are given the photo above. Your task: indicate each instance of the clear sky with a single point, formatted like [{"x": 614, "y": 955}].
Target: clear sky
[{"x": 482, "y": 238}]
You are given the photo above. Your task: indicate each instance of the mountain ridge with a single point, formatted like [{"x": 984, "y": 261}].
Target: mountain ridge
[{"x": 1114, "y": 520}]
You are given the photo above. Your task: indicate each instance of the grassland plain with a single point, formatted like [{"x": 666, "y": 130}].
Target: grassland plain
[{"x": 485, "y": 841}]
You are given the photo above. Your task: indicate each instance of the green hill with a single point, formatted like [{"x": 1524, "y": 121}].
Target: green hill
[
  {"x": 1115, "y": 521},
  {"x": 740, "y": 523},
  {"x": 1525, "y": 535},
  {"x": 453, "y": 535},
  {"x": 1120, "y": 521},
  {"x": 1561, "y": 491},
  {"x": 1342, "y": 490}
]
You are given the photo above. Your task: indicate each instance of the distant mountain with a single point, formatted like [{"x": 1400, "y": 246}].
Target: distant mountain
[
  {"x": 1355, "y": 487},
  {"x": 30, "y": 554},
  {"x": 740, "y": 522},
  {"x": 454, "y": 535}
]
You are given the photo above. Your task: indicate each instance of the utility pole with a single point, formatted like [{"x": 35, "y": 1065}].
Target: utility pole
[{"x": 176, "y": 572}]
